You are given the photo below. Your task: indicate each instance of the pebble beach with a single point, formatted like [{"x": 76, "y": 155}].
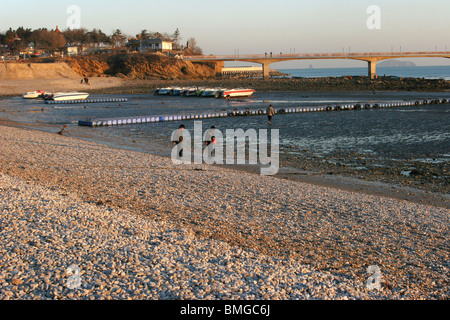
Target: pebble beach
[{"x": 131, "y": 225}]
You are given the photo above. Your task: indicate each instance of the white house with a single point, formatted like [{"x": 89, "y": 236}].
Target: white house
[
  {"x": 72, "y": 50},
  {"x": 151, "y": 45}
]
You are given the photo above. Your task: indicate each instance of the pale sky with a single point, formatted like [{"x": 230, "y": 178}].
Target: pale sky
[{"x": 257, "y": 26}]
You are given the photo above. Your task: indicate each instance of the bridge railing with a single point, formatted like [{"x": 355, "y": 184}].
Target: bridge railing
[{"x": 318, "y": 55}]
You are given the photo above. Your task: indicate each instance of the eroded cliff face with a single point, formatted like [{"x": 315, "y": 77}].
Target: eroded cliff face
[
  {"x": 140, "y": 66},
  {"x": 33, "y": 71}
]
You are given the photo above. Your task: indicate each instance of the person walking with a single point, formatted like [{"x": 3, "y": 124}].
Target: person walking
[
  {"x": 270, "y": 113},
  {"x": 177, "y": 138},
  {"x": 209, "y": 134}
]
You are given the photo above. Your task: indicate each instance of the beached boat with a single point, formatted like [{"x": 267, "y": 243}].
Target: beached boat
[
  {"x": 236, "y": 93},
  {"x": 163, "y": 91},
  {"x": 189, "y": 92},
  {"x": 177, "y": 91},
  {"x": 209, "y": 92},
  {"x": 65, "y": 96},
  {"x": 34, "y": 94}
]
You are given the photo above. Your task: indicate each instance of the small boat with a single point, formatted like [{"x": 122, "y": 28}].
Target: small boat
[
  {"x": 235, "y": 93},
  {"x": 199, "y": 92},
  {"x": 177, "y": 91},
  {"x": 163, "y": 91},
  {"x": 34, "y": 94},
  {"x": 64, "y": 96},
  {"x": 209, "y": 92},
  {"x": 190, "y": 92}
]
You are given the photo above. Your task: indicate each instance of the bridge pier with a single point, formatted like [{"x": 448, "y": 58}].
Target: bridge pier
[
  {"x": 372, "y": 68},
  {"x": 266, "y": 70}
]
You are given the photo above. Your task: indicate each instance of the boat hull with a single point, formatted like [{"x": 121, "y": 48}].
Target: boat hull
[
  {"x": 237, "y": 93},
  {"x": 163, "y": 91},
  {"x": 34, "y": 94},
  {"x": 69, "y": 96},
  {"x": 209, "y": 92}
]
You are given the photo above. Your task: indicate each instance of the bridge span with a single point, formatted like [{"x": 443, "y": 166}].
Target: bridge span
[{"x": 266, "y": 59}]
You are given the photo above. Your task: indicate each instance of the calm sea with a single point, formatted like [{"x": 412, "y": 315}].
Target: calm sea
[
  {"x": 421, "y": 132},
  {"x": 428, "y": 72}
]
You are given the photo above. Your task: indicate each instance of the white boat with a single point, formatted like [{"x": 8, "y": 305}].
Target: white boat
[
  {"x": 64, "y": 96},
  {"x": 34, "y": 94},
  {"x": 237, "y": 93}
]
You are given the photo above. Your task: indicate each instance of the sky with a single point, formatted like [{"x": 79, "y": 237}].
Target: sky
[{"x": 258, "y": 26}]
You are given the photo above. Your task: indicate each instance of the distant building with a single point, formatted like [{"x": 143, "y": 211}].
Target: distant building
[
  {"x": 71, "y": 50},
  {"x": 150, "y": 45}
]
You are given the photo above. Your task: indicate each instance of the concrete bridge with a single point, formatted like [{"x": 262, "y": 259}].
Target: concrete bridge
[{"x": 266, "y": 59}]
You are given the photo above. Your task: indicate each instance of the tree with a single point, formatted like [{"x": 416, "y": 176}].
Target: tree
[
  {"x": 118, "y": 39},
  {"x": 24, "y": 34},
  {"x": 96, "y": 37},
  {"x": 76, "y": 37},
  {"x": 48, "y": 40},
  {"x": 193, "y": 48},
  {"x": 9, "y": 36},
  {"x": 144, "y": 35},
  {"x": 176, "y": 39}
]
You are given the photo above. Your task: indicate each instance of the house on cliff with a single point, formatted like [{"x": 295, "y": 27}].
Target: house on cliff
[{"x": 149, "y": 45}]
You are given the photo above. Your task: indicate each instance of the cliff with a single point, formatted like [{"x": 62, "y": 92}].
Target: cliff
[
  {"x": 140, "y": 66},
  {"x": 31, "y": 71}
]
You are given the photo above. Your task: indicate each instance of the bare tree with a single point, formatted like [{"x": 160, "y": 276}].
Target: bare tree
[{"x": 193, "y": 48}]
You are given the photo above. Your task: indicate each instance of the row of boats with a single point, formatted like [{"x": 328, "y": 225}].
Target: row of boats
[
  {"x": 57, "y": 96},
  {"x": 172, "y": 91},
  {"x": 204, "y": 92}
]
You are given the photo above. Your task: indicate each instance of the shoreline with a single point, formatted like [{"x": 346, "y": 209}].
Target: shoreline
[
  {"x": 314, "y": 171},
  {"x": 117, "y": 85},
  {"x": 326, "y": 177},
  {"x": 244, "y": 218},
  {"x": 325, "y": 84}
]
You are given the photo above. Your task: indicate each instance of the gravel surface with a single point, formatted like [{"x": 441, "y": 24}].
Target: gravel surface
[{"x": 135, "y": 226}]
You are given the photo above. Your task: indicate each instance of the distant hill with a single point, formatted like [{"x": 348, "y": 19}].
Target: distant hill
[{"x": 395, "y": 63}]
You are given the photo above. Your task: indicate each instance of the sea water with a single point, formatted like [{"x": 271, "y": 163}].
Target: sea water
[
  {"x": 392, "y": 133},
  {"x": 427, "y": 72}
]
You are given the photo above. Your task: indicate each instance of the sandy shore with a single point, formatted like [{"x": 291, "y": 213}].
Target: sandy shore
[{"x": 139, "y": 227}]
